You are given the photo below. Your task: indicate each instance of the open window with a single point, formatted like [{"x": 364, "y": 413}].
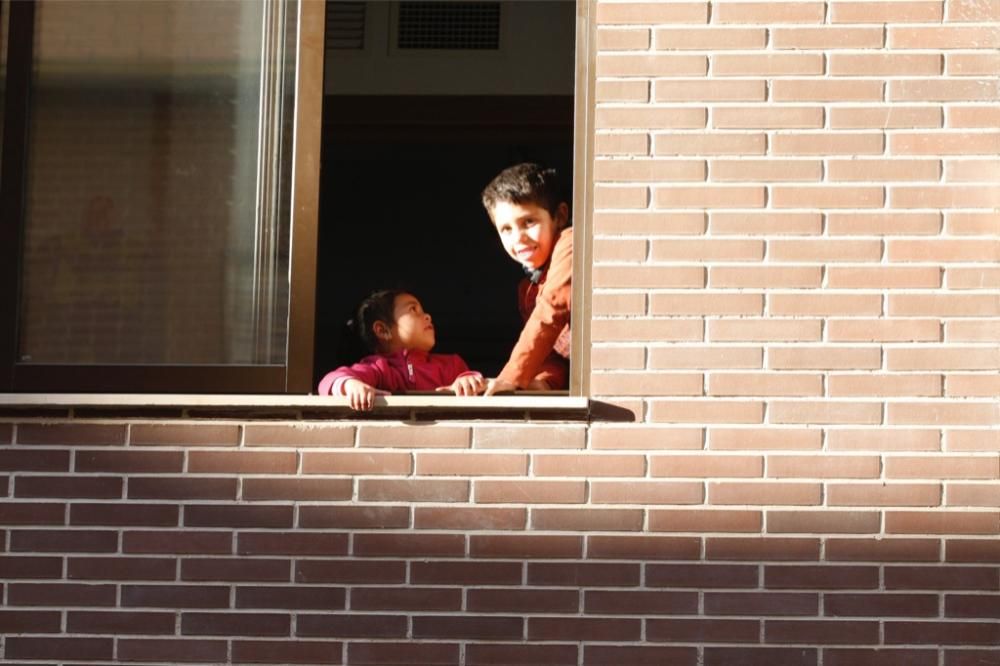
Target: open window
[
  {"x": 425, "y": 103},
  {"x": 165, "y": 226}
]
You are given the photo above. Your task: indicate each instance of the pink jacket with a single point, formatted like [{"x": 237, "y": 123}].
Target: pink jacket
[{"x": 404, "y": 370}]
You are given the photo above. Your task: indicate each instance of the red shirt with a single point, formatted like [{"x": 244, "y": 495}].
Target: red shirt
[{"x": 404, "y": 370}]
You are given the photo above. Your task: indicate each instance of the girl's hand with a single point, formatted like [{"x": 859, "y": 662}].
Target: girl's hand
[
  {"x": 361, "y": 396},
  {"x": 466, "y": 385}
]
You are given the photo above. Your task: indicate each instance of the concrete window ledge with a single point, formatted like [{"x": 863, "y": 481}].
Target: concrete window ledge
[{"x": 527, "y": 406}]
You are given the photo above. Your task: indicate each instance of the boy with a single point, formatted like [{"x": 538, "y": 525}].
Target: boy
[{"x": 532, "y": 219}]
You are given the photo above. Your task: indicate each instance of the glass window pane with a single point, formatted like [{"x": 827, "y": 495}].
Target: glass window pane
[{"x": 156, "y": 215}]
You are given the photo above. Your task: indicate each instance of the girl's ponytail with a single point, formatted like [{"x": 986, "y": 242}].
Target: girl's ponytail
[{"x": 378, "y": 306}]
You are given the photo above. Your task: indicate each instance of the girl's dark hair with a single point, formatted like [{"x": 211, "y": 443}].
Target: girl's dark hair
[
  {"x": 378, "y": 306},
  {"x": 525, "y": 183}
]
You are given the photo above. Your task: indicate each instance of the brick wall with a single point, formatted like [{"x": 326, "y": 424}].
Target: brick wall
[
  {"x": 795, "y": 299},
  {"x": 495, "y": 543},
  {"x": 797, "y": 294}
]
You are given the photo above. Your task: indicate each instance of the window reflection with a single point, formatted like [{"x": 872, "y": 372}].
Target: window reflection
[{"x": 151, "y": 234}]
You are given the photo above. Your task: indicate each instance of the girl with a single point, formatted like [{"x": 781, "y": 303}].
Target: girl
[{"x": 393, "y": 324}]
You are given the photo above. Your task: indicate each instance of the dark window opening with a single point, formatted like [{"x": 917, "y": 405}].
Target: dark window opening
[{"x": 409, "y": 141}]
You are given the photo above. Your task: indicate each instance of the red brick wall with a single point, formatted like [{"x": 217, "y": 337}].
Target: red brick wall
[
  {"x": 795, "y": 298},
  {"x": 495, "y": 543}
]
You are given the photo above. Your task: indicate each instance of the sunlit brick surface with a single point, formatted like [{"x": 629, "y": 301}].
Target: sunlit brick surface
[
  {"x": 797, "y": 307},
  {"x": 501, "y": 543}
]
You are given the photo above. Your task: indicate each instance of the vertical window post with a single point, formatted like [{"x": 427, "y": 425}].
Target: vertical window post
[{"x": 305, "y": 194}]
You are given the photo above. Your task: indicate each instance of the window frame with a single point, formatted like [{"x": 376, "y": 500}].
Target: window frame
[
  {"x": 295, "y": 377},
  {"x": 584, "y": 108}
]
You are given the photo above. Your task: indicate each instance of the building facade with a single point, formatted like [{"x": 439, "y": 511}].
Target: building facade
[{"x": 788, "y": 453}]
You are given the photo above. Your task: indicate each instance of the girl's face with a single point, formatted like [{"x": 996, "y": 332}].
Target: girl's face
[
  {"x": 528, "y": 232},
  {"x": 412, "y": 328}
]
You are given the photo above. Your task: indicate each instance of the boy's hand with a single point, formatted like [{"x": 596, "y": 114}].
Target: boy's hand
[
  {"x": 361, "y": 396},
  {"x": 496, "y": 385},
  {"x": 466, "y": 385}
]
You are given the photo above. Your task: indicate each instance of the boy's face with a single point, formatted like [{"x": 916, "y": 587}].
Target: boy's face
[
  {"x": 528, "y": 231},
  {"x": 413, "y": 328}
]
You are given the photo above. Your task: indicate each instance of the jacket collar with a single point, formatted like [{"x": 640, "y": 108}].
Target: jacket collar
[
  {"x": 408, "y": 355},
  {"x": 534, "y": 274}
]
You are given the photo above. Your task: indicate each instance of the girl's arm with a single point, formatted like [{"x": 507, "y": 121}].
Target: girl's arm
[
  {"x": 547, "y": 320},
  {"x": 361, "y": 396},
  {"x": 461, "y": 369},
  {"x": 367, "y": 371},
  {"x": 467, "y": 382},
  {"x": 462, "y": 380}
]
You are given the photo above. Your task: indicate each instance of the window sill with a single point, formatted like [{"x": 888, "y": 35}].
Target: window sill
[{"x": 530, "y": 406}]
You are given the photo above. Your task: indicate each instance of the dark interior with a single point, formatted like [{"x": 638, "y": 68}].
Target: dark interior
[{"x": 399, "y": 207}]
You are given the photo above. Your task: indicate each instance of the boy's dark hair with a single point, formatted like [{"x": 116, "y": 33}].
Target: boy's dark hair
[
  {"x": 378, "y": 306},
  {"x": 525, "y": 183}
]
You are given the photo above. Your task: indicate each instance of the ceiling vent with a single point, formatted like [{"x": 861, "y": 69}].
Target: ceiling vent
[
  {"x": 449, "y": 25},
  {"x": 345, "y": 25}
]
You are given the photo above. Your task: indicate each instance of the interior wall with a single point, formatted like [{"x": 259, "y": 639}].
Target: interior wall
[{"x": 536, "y": 38}]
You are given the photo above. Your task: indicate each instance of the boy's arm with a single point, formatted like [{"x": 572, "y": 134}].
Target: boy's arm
[
  {"x": 553, "y": 372},
  {"x": 547, "y": 320}
]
